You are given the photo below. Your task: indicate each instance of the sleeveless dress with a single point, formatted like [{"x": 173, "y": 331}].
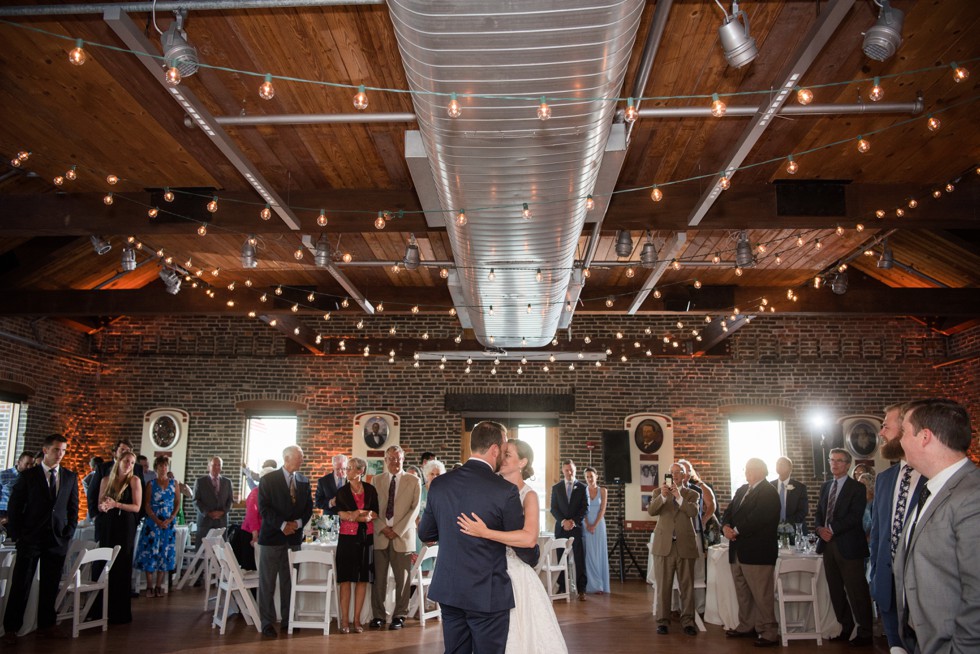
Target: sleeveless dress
[
  {"x": 119, "y": 528},
  {"x": 596, "y": 549},
  {"x": 533, "y": 626},
  {"x": 157, "y": 547}
]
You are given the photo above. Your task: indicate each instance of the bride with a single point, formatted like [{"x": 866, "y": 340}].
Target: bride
[{"x": 533, "y": 626}]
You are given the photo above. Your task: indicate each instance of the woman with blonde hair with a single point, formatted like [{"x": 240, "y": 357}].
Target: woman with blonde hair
[{"x": 120, "y": 499}]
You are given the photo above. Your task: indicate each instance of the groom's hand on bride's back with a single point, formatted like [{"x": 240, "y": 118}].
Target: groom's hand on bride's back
[{"x": 529, "y": 555}]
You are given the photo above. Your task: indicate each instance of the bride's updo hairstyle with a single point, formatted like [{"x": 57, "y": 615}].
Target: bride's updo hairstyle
[{"x": 524, "y": 451}]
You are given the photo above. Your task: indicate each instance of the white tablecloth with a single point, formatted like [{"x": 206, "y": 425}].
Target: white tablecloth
[
  {"x": 721, "y": 604},
  {"x": 30, "y": 612}
]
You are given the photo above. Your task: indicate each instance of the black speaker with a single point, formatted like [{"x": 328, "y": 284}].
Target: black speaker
[{"x": 616, "y": 457}]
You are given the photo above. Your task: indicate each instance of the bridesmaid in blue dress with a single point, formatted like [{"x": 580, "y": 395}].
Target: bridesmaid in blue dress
[
  {"x": 157, "y": 552},
  {"x": 596, "y": 547}
]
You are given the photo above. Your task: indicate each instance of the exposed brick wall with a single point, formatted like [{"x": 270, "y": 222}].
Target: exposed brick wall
[{"x": 205, "y": 365}]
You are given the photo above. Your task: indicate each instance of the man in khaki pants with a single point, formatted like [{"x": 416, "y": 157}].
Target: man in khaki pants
[{"x": 675, "y": 548}]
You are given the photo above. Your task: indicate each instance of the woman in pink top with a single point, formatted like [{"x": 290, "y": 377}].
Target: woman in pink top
[
  {"x": 357, "y": 506},
  {"x": 253, "y": 521}
]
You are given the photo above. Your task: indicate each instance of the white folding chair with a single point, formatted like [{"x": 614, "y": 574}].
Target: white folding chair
[
  {"x": 81, "y": 583},
  {"x": 234, "y": 586},
  {"x": 198, "y": 564},
  {"x": 211, "y": 569},
  {"x": 554, "y": 563},
  {"x": 420, "y": 581},
  {"x": 313, "y": 582},
  {"x": 803, "y": 566},
  {"x": 651, "y": 577},
  {"x": 7, "y": 560},
  {"x": 75, "y": 551}
]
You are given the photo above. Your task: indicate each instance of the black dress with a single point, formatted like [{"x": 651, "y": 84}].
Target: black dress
[
  {"x": 119, "y": 528},
  {"x": 355, "y": 553}
]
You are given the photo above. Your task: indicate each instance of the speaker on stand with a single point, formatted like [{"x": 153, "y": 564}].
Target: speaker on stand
[{"x": 619, "y": 472}]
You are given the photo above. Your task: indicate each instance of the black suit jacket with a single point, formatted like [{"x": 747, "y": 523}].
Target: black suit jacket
[
  {"x": 33, "y": 519},
  {"x": 846, "y": 522},
  {"x": 563, "y": 508},
  {"x": 756, "y": 517},
  {"x": 326, "y": 490},
  {"x": 92, "y": 491},
  {"x": 797, "y": 504},
  {"x": 276, "y": 506}
]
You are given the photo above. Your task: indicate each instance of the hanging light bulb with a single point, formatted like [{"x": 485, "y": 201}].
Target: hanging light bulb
[
  {"x": 168, "y": 195},
  {"x": 71, "y": 174},
  {"x": 454, "y": 110},
  {"x": 804, "y": 96},
  {"x": 859, "y": 227},
  {"x": 656, "y": 293},
  {"x": 791, "y": 166},
  {"x": 959, "y": 73},
  {"x": 415, "y": 309},
  {"x": 839, "y": 231},
  {"x": 491, "y": 310},
  {"x": 950, "y": 188},
  {"x": 298, "y": 254},
  {"x": 779, "y": 258},
  {"x": 321, "y": 220},
  {"x": 697, "y": 283},
  {"x": 538, "y": 276},
  {"x": 609, "y": 302},
  {"x": 544, "y": 111},
  {"x": 863, "y": 145},
  {"x": 656, "y": 194},
  {"x": 360, "y": 99},
  {"x": 172, "y": 76},
  {"x": 58, "y": 180},
  {"x": 452, "y": 311},
  {"x": 631, "y": 113},
  {"x": 724, "y": 183},
  {"x": 818, "y": 245},
  {"x": 107, "y": 199},
  {"x": 738, "y": 271},
  {"x": 589, "y": 203},
  {"x": 461, "y": 218},
  {"x": 899, "y": 212},
  {"x": 444, "y": 272},
  {"x": 491, "y": 276},
  {"x": 937, "y": 193},
  {"x": 526, "y": 212},
  {"x": 202, "y": 230},
  {"x": 213, "y": 204},
  {"x": 379, "y": 307},
  {"x": 716, "y": 259},
  {"x": 347, "y": 257},
  {"x": 267, "y": 91},
  {"x": 933, "y": 123},
  {"x": 876, "y": 93},
  {"x": 717, "y": 106},
  {"x": 879, "y": 213},
  {"x": 76, "y": 56},
  {"x": 529, "y": 307},
  {"x": 111, "y": 180},
  {"x": 799, "y": 241},
  {"x": 266, "y": 212},
  {"x": 586, "y": 273},
  {"x": 913, "y": 203},
  {"x": 630, "y": 272},
  {"x": 380, "y": 222}
]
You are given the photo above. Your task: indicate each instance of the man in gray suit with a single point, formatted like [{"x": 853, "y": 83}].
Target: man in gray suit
[
  {"x": 212, "y": 497},
  {"x": 937, "y": 567}
]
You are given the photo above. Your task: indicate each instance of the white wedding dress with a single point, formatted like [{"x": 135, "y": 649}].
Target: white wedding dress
[{"x": 533, "y": 626}]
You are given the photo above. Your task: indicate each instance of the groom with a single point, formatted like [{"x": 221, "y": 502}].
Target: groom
[{"x": 471, "y": 581}]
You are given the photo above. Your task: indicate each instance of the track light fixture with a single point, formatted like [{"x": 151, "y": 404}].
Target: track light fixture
[
  {"x": 624, "y": 243},
  {"x": 249, "y": 259},
  {"x": 128, "y": 259},
  {"x": 743, "y": 251},
  {"x": 740, "y": 48},
  {"x": 177, "y": 52},
  {"x": 412, "y": 256},
  {"x": 321, "y": 257},
  {"x": 100, "y": 244},
  {"x": 648, "y": 255},
  {"x": 887, "y": 259},
  {"x": 884, "y": 37},
  {"x": 171, "y": 280},
  {"x": 839, "y": 283}
]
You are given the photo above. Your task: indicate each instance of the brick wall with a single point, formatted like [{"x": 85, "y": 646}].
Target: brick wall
[{"x": 205, "y": 365}]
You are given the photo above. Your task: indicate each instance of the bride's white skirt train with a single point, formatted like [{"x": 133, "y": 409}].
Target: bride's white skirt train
[{"x": 533, "y": 626}]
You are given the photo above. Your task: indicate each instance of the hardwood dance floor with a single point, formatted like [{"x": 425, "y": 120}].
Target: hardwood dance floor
[{"x": 619, "y": 622}]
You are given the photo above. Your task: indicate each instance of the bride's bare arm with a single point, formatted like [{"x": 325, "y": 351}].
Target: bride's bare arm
[{"x": 526, "y": 537}]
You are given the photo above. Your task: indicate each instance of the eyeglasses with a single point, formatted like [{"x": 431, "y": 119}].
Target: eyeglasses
[{"x": 837, "y": 460}]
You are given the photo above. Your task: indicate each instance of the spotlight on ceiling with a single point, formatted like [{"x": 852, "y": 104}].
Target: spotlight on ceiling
[
  {"x": 321, "y": 257},
  {"x": 884, "y": 37},
  {"x": 887, "y": 259},
  {"x": 177, "y": 52},
  {"x": 740, "y": 48},
  {"x": 171, "y": 280},
  {"x": 624, "y": 243},
  {"x": 743, "y": 251},
  {"x": 128, "y": 259},
  {"x": 412, "y": 256},
  {"x": 249, "y": 259},
  {"x": 648, "y": 256},
  {"x": 100, "y": 244},
  {"x": 839, "y": 283}
]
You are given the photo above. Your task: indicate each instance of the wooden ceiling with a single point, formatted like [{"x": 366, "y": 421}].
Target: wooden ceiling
[{"x": 110, "y": 116}]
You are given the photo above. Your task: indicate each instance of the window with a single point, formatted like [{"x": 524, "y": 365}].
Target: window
[
  {"x": 10, "y": 434},
  {"x": 760, "y": 439},
  {"x": 265, "y": 438},
  {"x": 537, "y": 437}
]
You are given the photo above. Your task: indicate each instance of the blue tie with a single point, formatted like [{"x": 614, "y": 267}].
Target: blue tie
[{"x": 782, "y": 501}]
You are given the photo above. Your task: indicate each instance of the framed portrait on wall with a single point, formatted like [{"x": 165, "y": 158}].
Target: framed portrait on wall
[
  {"x": 648, "y": 436},
  {"x": 861, "y": 438},
  {"x": 375, "y": 433}
]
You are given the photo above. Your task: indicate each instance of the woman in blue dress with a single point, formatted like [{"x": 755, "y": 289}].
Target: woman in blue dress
[
  {"x": 156, "y": 554},
  {"x": 596, "y": 548}
]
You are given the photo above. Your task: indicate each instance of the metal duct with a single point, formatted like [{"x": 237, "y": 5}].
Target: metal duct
[{"x": 498, "y": 155}]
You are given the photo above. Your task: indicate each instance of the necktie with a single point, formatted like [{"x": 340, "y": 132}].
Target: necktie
[
  {"x": 568, "y": 490},
  {"x": 923, "y": 496},
  {"x": 53, "y": 484},
  {"x": 831, "y": 502},
  {"x": 782, "y": 502},
  {"x": 214, "y": 482},
  {"x": 898, "y": 520},
  {"x": 390, "y": 508},
  {"x": 292, "y": 488}
]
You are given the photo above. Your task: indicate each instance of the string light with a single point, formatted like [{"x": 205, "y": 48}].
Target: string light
[
  {"x": 839, "y": 231},
  {"x": 586, "y": 273},
  {"x": 880, "y": 213},
  {"x": 738, "y": 271},
  {"x": 294, "y": 308},
  {"x": 321, "y": 220},
  {"x": 799, "y": 241},
  {"x": 859, "y": 227},
  {"x": 538, "y": 276},
  {"x": 360, "y": 99},
  {"x": 461, "y": 218},
  {"x": 77, "y": 57},
  {"x": 529, "y": 307},
  {"x": 818, "y": 245},
  {"x": 112, "y": 180},
  {"x": 444, "y": 273},
  {"x": 168, "y": 195},
  {"x": 589, "y": 203},
  {"x": 697, "y": 283},
  {"x": 491, "y": 310},
  {"x": 724, "y": 183},
  {"x": 716, "y": 259},
  {"x": 877, "y": 93},
  {"x": 630, "y": 272},
  {"x": 913, "y": 203},
  {"x": 326, "y": 316},
  {"x": 717, "y": 106},
  {"x": 526, "y": 212},
  {"x": 937, "y": 194},
  {"x": 779, "y": 258},
  {"x": 899, "y": 212},
  {"x": 656, "y": 194},
  {"x": 492, "y": 276},
  {"x": 213, "y": 204},
  {"x": 656, "y": 293},
  {"x": 347, "y": 257},
  {"x": 311, "y": 298},
  {"x": 453, "y": 109},
  {"x": 380, "y": 222},
  {"x": 544, "y": 111},
  {"x": 379, "y": 307},
  {"x": 107, "y": 199},
  {"x": 415, "y": 309},
  {"x": 762, "y": 247},
  {"x": 202, "y": 230},
  {"x": 804, "y": 96},
  {"x": 933, "y": 123},
  {"x": 631, "y": 113},
  {"x": 863, "y": 145},
  {"x": 267, "y": 91},
  {"x": 452, "y": 311},
  {"x": 266, "y": 212},
  {"x": 58, "y": 180},
  {"x": 959, "y": 73},
  {"x": 153, "y": 212},
  {"x": 609, "y": 302},
  {"x": 172, "y": 76},
  {"x": 278, "y": 290},
  {"x": 791, "y": 166}
]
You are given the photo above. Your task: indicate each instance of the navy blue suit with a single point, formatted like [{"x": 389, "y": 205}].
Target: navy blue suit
[
  {"x": 326, "y": 490},
  {"x": 882, "y": 581},
  {"x": 574, "y": 509},
  {"x": 471, "y": 581}
]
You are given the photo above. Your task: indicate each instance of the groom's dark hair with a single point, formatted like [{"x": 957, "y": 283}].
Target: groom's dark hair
[{"x": 485, "y": 435}]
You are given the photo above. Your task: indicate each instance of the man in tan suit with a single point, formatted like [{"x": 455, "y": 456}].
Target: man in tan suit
[
  {"x": 394, "y": 536},
  {"x": 675, "y": 548}
]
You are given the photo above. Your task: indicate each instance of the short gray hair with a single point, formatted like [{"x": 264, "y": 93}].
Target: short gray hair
[
  {"x": 359, "y": 464},
  {"x": 338, "y": 457},
  {"x": 291, "y": 449}
]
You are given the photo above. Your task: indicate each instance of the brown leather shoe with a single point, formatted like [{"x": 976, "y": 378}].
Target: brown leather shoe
[{"x": 732, "y": 633}]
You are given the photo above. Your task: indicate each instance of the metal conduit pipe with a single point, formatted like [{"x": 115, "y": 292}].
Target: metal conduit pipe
[
  {"x": 164, "y": 5},
  {"x": 913, "y": 108},
  {"x": 311, "y": 119},
  {"x": 918, "y": 273},
  {"x": 51, "y": 349}
]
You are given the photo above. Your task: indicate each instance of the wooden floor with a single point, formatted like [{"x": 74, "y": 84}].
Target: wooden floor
[{"x": 618, "y": 622}]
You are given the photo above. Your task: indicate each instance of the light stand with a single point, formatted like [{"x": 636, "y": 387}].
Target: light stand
[
  {"x": 823, "y": 451},
  {"x": 621, "y": 543}
]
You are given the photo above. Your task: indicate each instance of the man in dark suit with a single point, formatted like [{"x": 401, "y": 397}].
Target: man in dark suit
[
  {"x": 328, "y": 485},
  {"x": 793, "y": 503},
  {"x": 750, "y": 524},
  {"x": 569, "y": 504},
  {"x": 42, "y": 514},
  {"x": 122, "y": 446},
  {"x": 212, "y": 497},
  {"x": 897, "y": 492},
  {"x": 844, "y": 547},
  {"x": 286, "y": 505},
  {"x": 471, "y": 582}
]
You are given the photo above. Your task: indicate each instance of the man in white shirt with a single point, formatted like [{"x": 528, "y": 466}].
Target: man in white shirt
[{"x": 937, "y": 566}]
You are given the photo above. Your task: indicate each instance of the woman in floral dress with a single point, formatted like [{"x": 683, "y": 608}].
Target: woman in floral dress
[{"x": 156, "y": 554}]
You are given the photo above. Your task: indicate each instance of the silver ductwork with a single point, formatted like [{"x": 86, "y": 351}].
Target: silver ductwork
[{"x": 498, "y": 155}]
